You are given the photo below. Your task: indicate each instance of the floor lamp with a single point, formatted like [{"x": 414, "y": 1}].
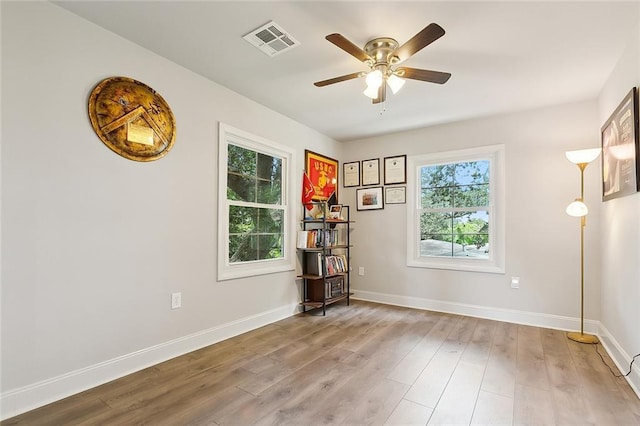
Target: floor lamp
[{"x": 579, "y": 209}]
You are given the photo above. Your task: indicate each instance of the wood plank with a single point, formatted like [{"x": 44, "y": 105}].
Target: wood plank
[
  {"x": 568, "y": 398},
  {"x": 500, "y": 373},
  {"x": 431, "y": 383},
  {"x": 377, "y": 403},
  {"x": 409, "y": 413},
  {"x": 532, "y": 406},
  {"x": 410, "y": 368},
  {"x": 530, "y": 367},
  {"x": 458, "y": 400},
  {"x": 493, "y": 409}
]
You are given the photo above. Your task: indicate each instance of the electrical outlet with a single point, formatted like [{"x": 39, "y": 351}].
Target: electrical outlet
[
  {"x": 361, "y": 270},
  {"x": 515, "y": 282},
  {"x": 176, "y": 300}
]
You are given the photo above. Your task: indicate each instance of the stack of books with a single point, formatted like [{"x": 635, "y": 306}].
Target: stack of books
[
  {"x": 334, "y": 264},
  {"x": 314, "y": 238}
]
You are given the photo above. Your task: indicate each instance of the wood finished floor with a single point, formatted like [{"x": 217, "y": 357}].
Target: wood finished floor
[{"x": 366, "y": 364}]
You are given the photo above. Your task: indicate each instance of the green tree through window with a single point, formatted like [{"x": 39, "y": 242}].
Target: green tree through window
[
  {"x": 256, "y": 211},
  {"x": 454, "y": 209}
]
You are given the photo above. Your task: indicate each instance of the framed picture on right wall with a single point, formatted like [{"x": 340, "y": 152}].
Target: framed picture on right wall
[{"x": 620, "y": 150}]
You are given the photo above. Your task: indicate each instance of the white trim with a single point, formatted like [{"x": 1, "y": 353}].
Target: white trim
[
  {"x": 496, "y": 264},
  {"x": 487, "y": 312},
  {"x": 239, "y": 137},
  {"x": 621, "y": 358},
  {"x": 17, "y": 401}
]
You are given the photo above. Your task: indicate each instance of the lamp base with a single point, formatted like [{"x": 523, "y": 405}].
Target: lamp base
[{"x": 582, "y": 338}]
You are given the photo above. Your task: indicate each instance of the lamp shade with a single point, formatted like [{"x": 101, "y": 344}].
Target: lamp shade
[
  {"x": 577, "y": 209},
  {"x": 395, "y": 83},
  {"x": 374, "y": 79},
  {"x": 583, "y": 156},
  {"x": 371, "y": 92}
]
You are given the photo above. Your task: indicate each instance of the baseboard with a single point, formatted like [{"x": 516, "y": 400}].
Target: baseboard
[
  {"x": 621, "y": 358},
  {"x": 17, "y": 401},
  {"x": 508, "y": 315}
]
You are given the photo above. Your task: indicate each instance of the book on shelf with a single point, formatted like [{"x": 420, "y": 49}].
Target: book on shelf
[
  {"x": 334, "y": 287},
  {"x": 323, "y": 289},
  {"x": 333, "y": 264},
  {"x": 313, "y": 263},
  {"x": 316, "y": 238}
]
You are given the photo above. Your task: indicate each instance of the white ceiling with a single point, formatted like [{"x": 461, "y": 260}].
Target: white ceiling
[{"x": 503, "y": 56}]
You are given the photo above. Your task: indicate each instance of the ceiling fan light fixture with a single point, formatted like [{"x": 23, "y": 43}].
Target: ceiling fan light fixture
[
  {"x": 374, "y": 79},
  {"x": 395, "y": 83},
  {"x": 371, "y": 92}
]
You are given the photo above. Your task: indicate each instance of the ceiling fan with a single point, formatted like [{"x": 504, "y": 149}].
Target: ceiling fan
[{"x": 382, "y": 55}]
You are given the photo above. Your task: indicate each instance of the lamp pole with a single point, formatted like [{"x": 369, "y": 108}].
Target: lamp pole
[{"x": 575, "y": 336}]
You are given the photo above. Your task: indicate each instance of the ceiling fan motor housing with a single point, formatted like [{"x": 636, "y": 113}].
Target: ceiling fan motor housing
[{"x": 381, "y": 50}]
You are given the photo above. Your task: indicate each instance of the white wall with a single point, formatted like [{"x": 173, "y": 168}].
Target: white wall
[
  {"x": 620, "y": 235},
  {"x": 542, "y": 242},
  {"x": 94, "y": 244}
]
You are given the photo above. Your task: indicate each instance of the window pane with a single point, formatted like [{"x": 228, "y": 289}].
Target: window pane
[
  {"x": 242, "y": 220},
  {"x": 436, "y": 198},
  {"x": 269, "y": 192},
  {"x": 435, "y": 223},
  {"x": 458, "y": 234},
  {"x": 255, "y": 233},
  {"x": 270, "y": 246},
  {"x": 471, "y": 196},
  {"x": 269, "y": 167},
  {"x": 242, "y": 248},
  {"x": 471, "y": 234},
  {"x": 436, "y": 246},
  {"x": 241, "y": 160},
  {"x": 270, "y": 221},
  {"x": 473, "y": 172},
  {"x": 241, "y": 188},
  {"x": 437, "y": 176},
  {"x": 269, "y": 180}
]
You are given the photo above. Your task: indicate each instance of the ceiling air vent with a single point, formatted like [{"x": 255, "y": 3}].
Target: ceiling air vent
[{"x": 271, "y": 39}]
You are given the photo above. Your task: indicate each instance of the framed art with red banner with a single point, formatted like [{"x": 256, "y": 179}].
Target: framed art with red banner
[{"x": 323, "y": 173}]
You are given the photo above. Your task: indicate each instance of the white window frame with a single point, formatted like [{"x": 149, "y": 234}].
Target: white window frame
[
  {"x": 227, "y": 270},
  {"x": 496, "y": 262}
]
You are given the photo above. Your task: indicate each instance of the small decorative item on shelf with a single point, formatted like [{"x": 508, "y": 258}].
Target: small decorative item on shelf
[{"x": 335, "y": 211}]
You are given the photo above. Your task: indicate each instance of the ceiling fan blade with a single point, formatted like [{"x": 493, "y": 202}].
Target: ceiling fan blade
[
  {"x": 382, "y": 94},
  {"x": 348, "y": 47},
  {"x": 337, "y": 79},
  {"x": 423, "y": 75},
  {"x": 428, "y": 35}
]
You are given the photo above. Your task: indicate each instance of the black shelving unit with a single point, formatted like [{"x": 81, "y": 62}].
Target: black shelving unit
[{"x": 327, "y": 242}]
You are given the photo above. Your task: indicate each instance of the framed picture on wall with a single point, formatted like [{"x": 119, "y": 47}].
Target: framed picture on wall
[
  {"x": 371, "y": 172},
  {"x": 395, "y": 195},
  {"x": 395, "y": 169},
  {"x": 351, "y": 174},
  {"x": 323, "y": 173},
  {"x": 620, "y": 149},
  {"x": 369, "y": 198}
]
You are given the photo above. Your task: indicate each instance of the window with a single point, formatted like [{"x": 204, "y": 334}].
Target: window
[
  {"x": 255, "y": 215},
  {"x": 455, "y": 215}
]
